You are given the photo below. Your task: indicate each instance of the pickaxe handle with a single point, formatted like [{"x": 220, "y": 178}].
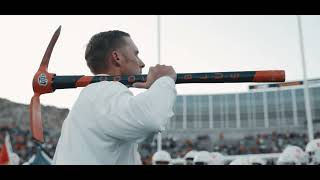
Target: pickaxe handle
[{"x": 65, "y": 82}]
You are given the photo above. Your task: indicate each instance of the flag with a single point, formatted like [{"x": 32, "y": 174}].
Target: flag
[{"x": 6, "y": 150}]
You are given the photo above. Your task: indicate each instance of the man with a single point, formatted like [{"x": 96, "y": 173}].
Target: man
[
  {"x": 292, "y": 155},
  {"x": 107, "y": 121},
  {"x": 161, "y": 158},
  {"x": 202, "y": 158},
  {"x": 189, "y": 157},
  {"x": 313, "y": 151}
]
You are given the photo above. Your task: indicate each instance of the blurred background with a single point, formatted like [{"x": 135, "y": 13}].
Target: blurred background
[{"x": 236, "y": 120}]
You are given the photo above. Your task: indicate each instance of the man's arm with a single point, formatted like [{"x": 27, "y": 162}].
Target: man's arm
[{"x": 135, "y": 117}]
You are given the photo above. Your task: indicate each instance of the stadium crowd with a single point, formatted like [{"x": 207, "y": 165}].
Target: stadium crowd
[
  {"x": 259, "y": 144},
  {"x": 24, "y": 146}
]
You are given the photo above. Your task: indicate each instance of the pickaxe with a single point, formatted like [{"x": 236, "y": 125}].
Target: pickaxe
[{"x": 45, "y": 82}]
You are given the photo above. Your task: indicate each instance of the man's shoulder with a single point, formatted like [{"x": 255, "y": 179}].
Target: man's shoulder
[
  {"x": 106, "y": 85},
  {"x": 103, "y": 89}
]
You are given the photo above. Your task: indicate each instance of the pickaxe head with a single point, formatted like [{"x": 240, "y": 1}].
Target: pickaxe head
[{"x": 42, "y": 83}]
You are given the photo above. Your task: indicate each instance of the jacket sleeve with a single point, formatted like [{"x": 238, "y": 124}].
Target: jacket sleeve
[{"x": 137, "y": 117}]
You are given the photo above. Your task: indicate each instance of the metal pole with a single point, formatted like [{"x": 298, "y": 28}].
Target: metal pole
[
  {"x": 305, "y": 83},
  {"x": 159, "y": 144},
  {"x": 159, "y": 39}
]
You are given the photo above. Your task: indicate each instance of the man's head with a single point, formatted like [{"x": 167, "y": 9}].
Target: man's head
[
  {"x": 161, "y": 158},
  {"x": 313, "y": 150},
  {"x": 292, "y": 155},
  {"x": 202, "y": 158},
  {"x": 190, "y": 156},
  {"x": 113, "y": 53}
]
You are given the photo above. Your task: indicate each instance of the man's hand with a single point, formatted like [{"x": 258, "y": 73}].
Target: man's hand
[{"x": 155, "y": 73}]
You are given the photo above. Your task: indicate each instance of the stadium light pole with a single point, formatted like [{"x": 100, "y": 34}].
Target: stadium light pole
[
  {"x": 159, "y": 140},
  {"x": 305, "y": 83}
]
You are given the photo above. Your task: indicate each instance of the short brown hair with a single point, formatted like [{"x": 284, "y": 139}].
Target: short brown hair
[{"x": 100, "y": 46}]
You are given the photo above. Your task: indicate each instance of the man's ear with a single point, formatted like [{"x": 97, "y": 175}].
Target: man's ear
[{"x": 116, "y": 59}]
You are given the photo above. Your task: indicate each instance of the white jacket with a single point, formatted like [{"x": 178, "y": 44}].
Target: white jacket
[{"x": 107, "y": 122}]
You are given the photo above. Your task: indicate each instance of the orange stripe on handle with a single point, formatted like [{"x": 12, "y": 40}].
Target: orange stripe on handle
[
  {"x": 84, "y": 81},
  {"x": 270, "y": 76}
]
